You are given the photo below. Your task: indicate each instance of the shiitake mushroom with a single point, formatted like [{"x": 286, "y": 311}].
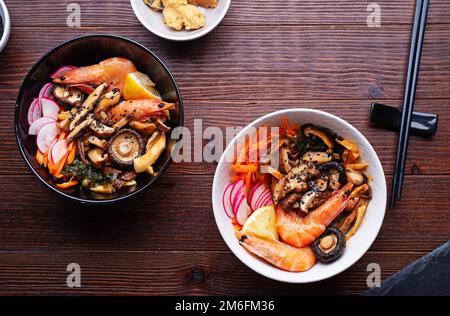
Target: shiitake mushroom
[
  {"x": 68, "y": 96},
  {"x": 125, "y": 146},
  {"x": 330, "y": 245}
]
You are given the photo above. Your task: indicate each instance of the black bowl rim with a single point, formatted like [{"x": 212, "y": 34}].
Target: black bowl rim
[{"x": 21, "y": 146}]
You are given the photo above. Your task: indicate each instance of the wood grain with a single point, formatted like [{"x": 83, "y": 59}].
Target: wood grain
[
  {"x": 241, "y": 13},
  {"x": 285, "y": 62},
  {"x": 158, "y": 220},
  {"x": 263, "y": 57},
  {"x": 170, "y": 273}
]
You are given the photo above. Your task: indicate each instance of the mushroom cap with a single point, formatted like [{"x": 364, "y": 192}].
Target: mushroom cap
[
  {"x": 330, "y": 245},
  {"x": 125, "y": 146}
]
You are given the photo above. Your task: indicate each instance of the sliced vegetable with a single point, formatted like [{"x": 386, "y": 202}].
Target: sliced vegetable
[
  {"x": 67, "y": 185},
  {"x": 242, "y": 211},
  {"x": 59, "y": 151},
  {"x": 237, "y": 186},
  {"x": 49, "y": 108},
  {"x": 46, "y": 91},
  {"x": 226, "y": 204},
  {"x": 260, "y": 189},
  {"x": 34, "y": 111},
  {"x": 244, "y": 168},
  {"x": 46, "y": 135},
  {"x": 37, "y": 125},
  {"x": 61, "y": 70}
]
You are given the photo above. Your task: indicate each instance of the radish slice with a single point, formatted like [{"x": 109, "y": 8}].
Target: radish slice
[
  {"x": 226, "y": 204},
  {"x": 33, "y": 113},
  {"x": 237, "y": 198},
  {"x": 46, "y": 91},
  {"x": 252, "y": 192},
  {"x": 268, "y": 201},
  {"x": 256, "y": 196},
  {"x": 49, "y": 108},
  {"x": 242, "y": 211},
  {"x": 236, "y": 188},
  {"x": 263, "y": 197},
  {"x": 37, "y": 125},
  {"x": 50, "y": 150},
  {"x": 61, "y": 70},
  {"x": 59, "y": 150},
  {"x": 46, "y": 135}
]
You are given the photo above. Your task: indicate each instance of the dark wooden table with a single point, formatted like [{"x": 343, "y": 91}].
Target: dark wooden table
[{"x": 265, "y": 56}]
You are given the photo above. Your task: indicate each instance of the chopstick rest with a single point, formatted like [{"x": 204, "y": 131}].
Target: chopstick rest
[{"x": 388, "y": 117}]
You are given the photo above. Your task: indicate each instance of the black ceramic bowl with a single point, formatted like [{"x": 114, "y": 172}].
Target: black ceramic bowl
[{"x": 85, "y": 51}]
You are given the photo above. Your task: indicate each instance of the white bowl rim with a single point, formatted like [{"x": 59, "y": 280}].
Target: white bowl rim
[
  {"x": 6, "y": 25},
  {"x": 287, "y": 276},
  {"x": 188, "y": 37}
]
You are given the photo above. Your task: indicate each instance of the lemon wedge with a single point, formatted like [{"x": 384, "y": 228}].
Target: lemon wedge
[
  {"x": 262, "y": 223},
  {"x": 139, "y": 86}
]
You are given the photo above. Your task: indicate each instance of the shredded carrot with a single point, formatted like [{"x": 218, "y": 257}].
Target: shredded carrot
[
  {"x": 288, "y": 130},
  {"x": 71, "y": 155},
  {"x": 248, "y": 183},
  {"x": 60, "y": 165},
  {"x": 62, "y": 136},
  {"x": 67, "y": 185},
  {"x": 244, "y": 168},
  {"x": 40, "y": 157}
]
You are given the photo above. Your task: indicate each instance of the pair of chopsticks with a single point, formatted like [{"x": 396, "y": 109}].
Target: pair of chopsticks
[{"x": 420, "y": 21}]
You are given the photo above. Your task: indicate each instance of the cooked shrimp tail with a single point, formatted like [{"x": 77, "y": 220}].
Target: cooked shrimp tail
[
  {"x": 301, "y": 231},
  {"x": 279, "y": 254},
  {"x": 138, "y": 110},
  {"x": 113, "y": 71}
]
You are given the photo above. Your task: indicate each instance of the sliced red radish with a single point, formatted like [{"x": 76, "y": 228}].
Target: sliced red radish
[
  {"x": 59, "y": 151},
  {"x": 237, "y": 198},
  {"x": 256, "y": 196},
  {"x": 46, "y": 135},
  {"x": 46, "y": 91},
  {"x": 262, "y": 199},
  {"x": 252, "y": 192},
  {"x": 61, "y": 70},
  {"x": 49, "y": 108},
  {"x": 242, "y": 211},
  {"x": 236, "y": 187},
  {"x": 37, "y": 125},
  {"x": 267, "y": 201},
  {"x": 226, "y": 204},
  {"x": 34, "y": 111}
]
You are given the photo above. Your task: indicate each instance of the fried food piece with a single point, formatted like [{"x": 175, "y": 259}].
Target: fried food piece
[{"x": 204, "y": 3}]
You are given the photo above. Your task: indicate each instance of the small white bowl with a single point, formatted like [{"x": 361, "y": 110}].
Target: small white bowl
[
  {"x": 154, "y": 22},
  {"x": 6, "y": 25},
  {"x": 356, "y": 246}
]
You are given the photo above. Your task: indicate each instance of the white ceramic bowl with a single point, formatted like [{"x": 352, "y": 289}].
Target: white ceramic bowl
[
  {"x": 356, "y": 246},
  {"x": 6, "y": 25},
  {"x": 153, "y": 21}
]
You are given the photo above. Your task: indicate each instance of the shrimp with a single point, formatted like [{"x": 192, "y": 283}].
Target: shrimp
[
  {"x": 279, "y": 254},
  {"x": 138, "y": 110},
  {"x": 113, "y": 71},
  {"x": 301, "y": 231}
]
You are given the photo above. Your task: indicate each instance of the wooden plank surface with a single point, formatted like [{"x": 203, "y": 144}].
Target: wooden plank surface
[{"x": 263, "y": 57}]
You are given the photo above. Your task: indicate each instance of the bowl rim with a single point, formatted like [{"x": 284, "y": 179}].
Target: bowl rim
[
  {"x": 21, "y": 145},
  {"x": 285, "y": 276},
  {"x": 188, "y": 37},
  {"x": 6, "y": 25}
]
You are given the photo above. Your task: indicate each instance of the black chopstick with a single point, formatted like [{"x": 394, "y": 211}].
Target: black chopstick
[
  {"x": 404, "y": 152},
  {"x": 417, "y": 37}
]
